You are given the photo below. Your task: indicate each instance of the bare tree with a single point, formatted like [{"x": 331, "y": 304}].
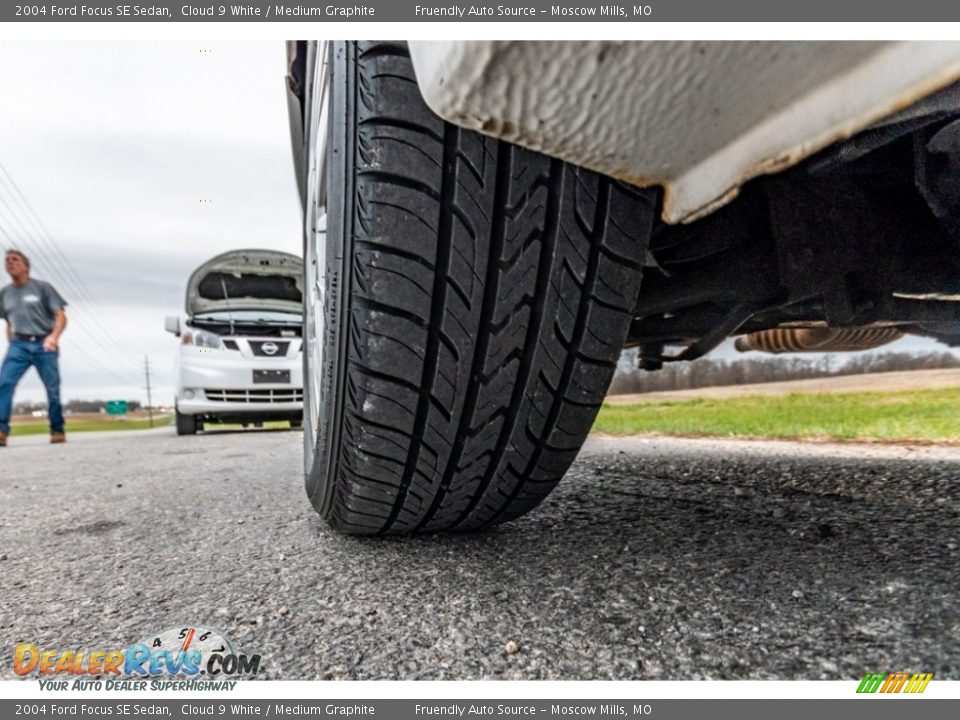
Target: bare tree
[{"x": 712, "y": 373}]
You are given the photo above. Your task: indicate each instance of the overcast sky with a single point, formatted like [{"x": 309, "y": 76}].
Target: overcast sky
[{"x": 115, "y": 146}]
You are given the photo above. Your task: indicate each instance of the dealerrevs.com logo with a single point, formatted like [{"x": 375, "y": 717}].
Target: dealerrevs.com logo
[{"x": 177, "y": 658}]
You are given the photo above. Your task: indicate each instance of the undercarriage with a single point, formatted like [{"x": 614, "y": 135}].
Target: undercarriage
[{"x": 849, "y": 250}]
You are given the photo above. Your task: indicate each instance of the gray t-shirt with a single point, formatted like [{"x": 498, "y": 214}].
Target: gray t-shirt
[{"x": 29, "y": 308}]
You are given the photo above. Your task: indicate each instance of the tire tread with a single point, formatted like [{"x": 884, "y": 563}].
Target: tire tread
[{"x": 469, "y": 401}]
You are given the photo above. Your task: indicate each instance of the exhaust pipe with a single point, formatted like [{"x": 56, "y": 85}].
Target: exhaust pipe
[{"x": 819, "y": 339}]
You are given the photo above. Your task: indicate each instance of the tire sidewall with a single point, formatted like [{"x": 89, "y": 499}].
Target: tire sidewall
[{"x": 320, "y": 441}]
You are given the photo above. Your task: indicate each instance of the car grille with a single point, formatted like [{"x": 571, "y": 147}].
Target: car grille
[
  {"x": 278, "y": 395},
  {"x": 258, "y": 345}
]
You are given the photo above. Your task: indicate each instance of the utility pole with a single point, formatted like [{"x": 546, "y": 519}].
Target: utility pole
[{"x": 146, "y": 368}]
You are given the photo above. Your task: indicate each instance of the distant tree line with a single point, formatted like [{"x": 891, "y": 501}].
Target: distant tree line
[
  {"x": 712, "y": 373},
  {"x": 79, "y": 406}
]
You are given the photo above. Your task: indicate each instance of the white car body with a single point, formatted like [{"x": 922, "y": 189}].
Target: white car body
[
  {"x": 698, "y": 119},
  {"x": 240, "y": 355}
]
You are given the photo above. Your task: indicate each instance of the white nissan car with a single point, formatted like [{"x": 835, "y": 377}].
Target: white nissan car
[{"x": 240, "y": 347}]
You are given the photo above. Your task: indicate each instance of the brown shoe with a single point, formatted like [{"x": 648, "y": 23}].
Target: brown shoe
[
  {"x": 57, "y": 438},
  {"x": 3, "y": 439}
]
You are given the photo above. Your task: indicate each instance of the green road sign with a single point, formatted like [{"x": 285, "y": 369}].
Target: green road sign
[{"x": 116, "y": 407}]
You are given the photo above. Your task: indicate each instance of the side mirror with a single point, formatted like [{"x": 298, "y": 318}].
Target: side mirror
[{"x": 171, "y": 324}]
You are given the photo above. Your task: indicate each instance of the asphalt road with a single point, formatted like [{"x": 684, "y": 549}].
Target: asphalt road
[{"x": 667, "y": 559}]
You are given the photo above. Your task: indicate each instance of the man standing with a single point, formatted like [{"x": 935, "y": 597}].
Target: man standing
[{"x": 35, "y": 320}]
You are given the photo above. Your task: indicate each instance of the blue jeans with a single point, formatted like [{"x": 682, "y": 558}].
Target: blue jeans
[{"x": 20, "y": 356}]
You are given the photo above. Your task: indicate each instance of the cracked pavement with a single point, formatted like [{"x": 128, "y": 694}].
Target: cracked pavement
[{"x": 654, "y": 558}]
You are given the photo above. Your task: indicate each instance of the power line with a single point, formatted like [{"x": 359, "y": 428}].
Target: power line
[
  {"x": 114, "y": 374},
  {"x": 42, "y": 230},
  {"x": 86, "y": 332},
  {"x": 70, "y": 274},
  {"x": 63, "y": 277},
  {"x": 34, "y": 250},
  {"x": 35, "y": 246},
  {"x": 122, "y": 380}
]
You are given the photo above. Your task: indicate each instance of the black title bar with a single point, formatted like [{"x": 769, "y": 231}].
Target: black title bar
[
  {"x": 510, "y": 11},
  {"x": 226, "y": 708}
]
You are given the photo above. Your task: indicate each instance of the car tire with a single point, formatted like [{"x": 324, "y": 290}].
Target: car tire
[
  {"x": 186, "y": 424},
  {"x": 466, "y": 306}
]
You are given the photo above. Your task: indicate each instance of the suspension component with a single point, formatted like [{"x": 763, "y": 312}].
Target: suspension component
[{"x": 817, "y": 339}]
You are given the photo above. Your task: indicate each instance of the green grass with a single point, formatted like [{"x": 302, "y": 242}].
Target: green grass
[
  {"x": 925, "y": 415},
  {"x": 41, "y": 428}
]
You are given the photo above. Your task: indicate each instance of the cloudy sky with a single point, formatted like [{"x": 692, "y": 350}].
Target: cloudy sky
[{"x": 114, "y": 146}]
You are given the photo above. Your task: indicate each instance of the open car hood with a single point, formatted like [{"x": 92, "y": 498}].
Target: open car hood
[{"x": 247, "y": 280}]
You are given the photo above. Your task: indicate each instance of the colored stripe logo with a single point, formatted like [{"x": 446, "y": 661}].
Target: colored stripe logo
[{"x": 895, "y": 682}]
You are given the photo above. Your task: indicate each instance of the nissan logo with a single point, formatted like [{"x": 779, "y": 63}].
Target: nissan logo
[{"x": 269, "y": 348}]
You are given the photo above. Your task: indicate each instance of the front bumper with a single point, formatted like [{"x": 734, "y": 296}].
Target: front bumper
[{"x": 220, "y": 382}]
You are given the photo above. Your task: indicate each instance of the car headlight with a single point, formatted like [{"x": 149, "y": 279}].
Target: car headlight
[{"x": 202, "y": 338}]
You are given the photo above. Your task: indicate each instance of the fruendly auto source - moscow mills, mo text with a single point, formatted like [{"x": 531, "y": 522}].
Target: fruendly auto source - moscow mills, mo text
[{"x": 505, "y": 11}]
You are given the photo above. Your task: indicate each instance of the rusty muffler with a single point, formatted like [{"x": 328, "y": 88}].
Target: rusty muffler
[{"x": 818, "y": 339}]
